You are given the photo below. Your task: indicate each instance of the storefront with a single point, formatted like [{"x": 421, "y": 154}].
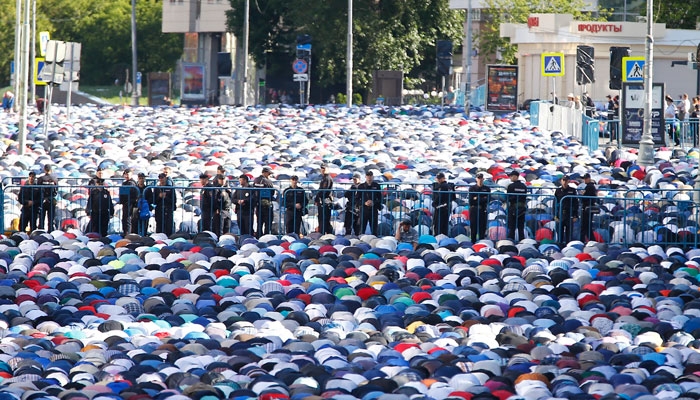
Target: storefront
[{"x": 560, "y": 33}]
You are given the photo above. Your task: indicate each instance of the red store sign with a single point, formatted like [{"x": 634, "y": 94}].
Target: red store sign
[{"x": 604, "y": 27}]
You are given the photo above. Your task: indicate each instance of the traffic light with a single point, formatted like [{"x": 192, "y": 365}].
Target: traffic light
[
  {"x": 304, "y": 47},
  {"x": 444, "y": 57},
  {"x": 616, "y": 55},
  {"x": 585, "y": 65}
]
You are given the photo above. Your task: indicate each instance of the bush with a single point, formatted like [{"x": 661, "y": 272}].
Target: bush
[{"x": 341, "y": 98}]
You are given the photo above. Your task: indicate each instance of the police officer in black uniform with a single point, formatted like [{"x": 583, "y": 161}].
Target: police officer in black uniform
[
  {"x": 206, "y": 203},
  {"x": 128, "y": 197},
  {"x": 244, "y": 205},
  {"x": 352, "y": 206},
  {"x": 48, "y": 198},
  {"x": 30, "y": 198},
  {"x": 370, "y": 195},
  {"x": 567, "y": 209},
  {"x": 478, "y": 206},
  {"x": 222, "y": 206},
  {"x": 589, "y": 205},
  {"x": 324, "y": 201},
  {"x": 517, "y": 206},
  {"x": 99, "y": 207},
  {"x": 165, "y": 200},
  {"x": 294, "y": 206},
  {"x": 442, "y": 204}
]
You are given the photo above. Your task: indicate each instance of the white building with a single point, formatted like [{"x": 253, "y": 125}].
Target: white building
[
  {"x": 204, "y": 24},
  {"x": 560, "y": 33}
]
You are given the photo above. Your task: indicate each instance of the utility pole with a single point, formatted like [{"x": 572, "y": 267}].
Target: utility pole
[
  {"x": 134, "y": 61},
  {"x": 348, "y": 79},
  {"x": 646, "y": 145},
  {"x": 246, "y": 38},
  {"x": 24, "y": 77}
]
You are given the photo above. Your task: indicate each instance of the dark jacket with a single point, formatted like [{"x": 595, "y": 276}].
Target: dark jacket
[
  {"x": 128, "y": 193},
  {"x": 569, "y": 205},
  {"x": 100, "y": 202},
  {"x": 370, "y": 192},
  {"x": 479, "y": 197},
  {"x": 292, "y": 196}
]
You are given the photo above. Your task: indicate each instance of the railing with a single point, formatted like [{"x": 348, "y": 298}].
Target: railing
[{"x": 665, "y": 217}]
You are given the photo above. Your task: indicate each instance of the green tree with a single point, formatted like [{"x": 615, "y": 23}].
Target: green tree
[
  {"x": 387, "y": 34},
  {"x": 489, "y": 40},
  {"x": 676, "y": 14},
  {"x": 104, "y": 30}
]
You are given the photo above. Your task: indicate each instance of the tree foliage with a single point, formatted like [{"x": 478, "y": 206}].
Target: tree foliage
[
  {"x": 489, "y": 40},
  {"x": 677, "y": 14},
  {"x": 387, "y": 35},
  {"x": 104, "y": 30}
]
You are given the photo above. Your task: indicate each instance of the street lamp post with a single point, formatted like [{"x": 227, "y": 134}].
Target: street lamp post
[
  {"x": 246, "y": 37},
  {"x": 348, "y": 83},
  {"x": 646, "y": 145},
  {"x": 134, "y": 64}
]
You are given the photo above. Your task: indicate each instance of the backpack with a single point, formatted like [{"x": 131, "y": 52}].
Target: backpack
[{"x": 144, "y": 208}]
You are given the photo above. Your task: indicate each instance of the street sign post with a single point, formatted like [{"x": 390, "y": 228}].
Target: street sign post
[
  {"x": 38, "y": 67},
  {"x": 301, "y": 77}
]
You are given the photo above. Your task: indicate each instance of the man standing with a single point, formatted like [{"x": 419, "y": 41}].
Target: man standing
[
  {"x": 370, "y": 195},
  {"x": 352, "y": 206},
  {"x": 265, "y": 195},
  {"x": 244, "y": 202},
  {"x": 567, "y": 209},
  {"x": 165, "y": 201},
  {"x": 589, "y": 204},
  {"x": 222, "y": 206},
  {"x": 478, "y": 206},
  {"x": 128, "y": 197},
  {"x": 48, "y": 198},
  {"x": 294, "y": 206},
  {"x": 99, "y": 207},
  {"x": 442, "y": 205},
  {"x": 517, "y": 205},
  {"x": 30, "y": 198},
  {"x": 206, "y": 204},
  {"x": 324, "y": 201}
]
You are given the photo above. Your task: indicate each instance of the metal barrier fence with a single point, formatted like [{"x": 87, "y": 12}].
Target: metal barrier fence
[{"x": 664, "y": 217}]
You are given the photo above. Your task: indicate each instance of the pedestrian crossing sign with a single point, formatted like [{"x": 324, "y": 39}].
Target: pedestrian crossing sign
[
  {"x": 552, "y": 64},
  {"x": 633, "y": 69}
]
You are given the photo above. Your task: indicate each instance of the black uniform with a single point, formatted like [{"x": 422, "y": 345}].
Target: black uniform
[
  {"x": 369, "y": 214},
  {"x": 292, "y": 214},
  {"x": 48, "y": 200},
  {"x": 165, "y": 201},
  {"x": 478, "y": 207},
  {"x": 442, "y": 204},
  {"x": 517, "y": 206},
  {"x": 30, "y": 198},
  {"x": 100, "y": 209},
  {"x": 128, "y": 197},
  {"x": 324, "y": 202},
  {"x": 265, "y": 195},
  {"x": 567, "y": 211},
  {"x": 589, "y": 208},
  {"x": 206, "y": 204},
  {"x": 244, "y": 200},
  {"x": 222, "y": 210},
  {"x": 352, "y": 211}
]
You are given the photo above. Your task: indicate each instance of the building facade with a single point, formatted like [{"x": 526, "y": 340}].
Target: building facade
[{"x": 204, "y": 24}]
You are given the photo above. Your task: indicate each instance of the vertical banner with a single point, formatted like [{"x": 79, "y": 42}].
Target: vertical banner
[
  {"x": 632, "y": 115},
  {"x": 502, "y": 88},
  {"x": 193, "y": 87}
]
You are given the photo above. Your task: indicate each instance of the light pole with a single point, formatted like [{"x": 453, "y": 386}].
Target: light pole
[
  {"x": 134, "y": 64},
  {"x": 646, "y": 145},
  {"x": 18, "y": 39},
  {"x": 468, "y": 88},
  {"x": 24, "y": 77},
  {"x": 246, "y": 38},
  {"x": 348, "y": 83}
]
